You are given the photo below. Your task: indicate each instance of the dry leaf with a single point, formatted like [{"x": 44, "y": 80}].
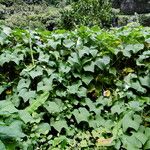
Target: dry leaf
[
  {"x": 8, "y": 92},
  {"x": 104, "y": 142}
]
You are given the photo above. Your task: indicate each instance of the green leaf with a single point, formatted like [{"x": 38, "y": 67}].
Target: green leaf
[
  {"x": 7, "y": 106},
  {"x": 52, "y": 107},
  {"x": 135, "y": 105},
  {"x": 141, "y": 137},
  {"x": 74, "y": 88},
  {"x": 52, "y": 43},
  {"x": 83, "y": 143},
  {"x": 43, "y": 57},
  {"x": 64, "y": 68},
  {"x": 133, "y": 143},
  {"x": 145, "y": 81},
  {"x": 136, "y": 85},
  {"x": 87, "y": 78},
  {"x": 26, "y": 94},
  {"x": 89, "y": 67},
  {"x": 38, "y": 71},
  {"x": 45, "y": 85},
  {"x": 2, "y": 146},
  {"x": 81, "y": 114},
  {"x": 68, "y": 43},
  {"x": 147, "y": 132},
  {"x": 43, "y": 128},
  {"x": 132, "y": 47},
  {"x": 25, "y": 116},
  {"x": 8, "y": 56},
  {"x": 128, "y": 122},
  {"x": 58, "y": 125},
  {"x": 92, "y": 106},
  {"x": 93, "y": 52},
  {"x": 83, "y": 51},
  {"x": 117, "y": 109},
  {"x": 23, "y": 83},
  {"x": 82, "y": 92},
  {"x": 147, "y": 145},
  {"x": 7, "y": 30},
  {"x": 2, "y": 89},
  {"x": 103, "y": 62},
  {"x": 13, "y": 130},
  {"x": 40, "y": 100},
  {"x": 73, "y": 59}
]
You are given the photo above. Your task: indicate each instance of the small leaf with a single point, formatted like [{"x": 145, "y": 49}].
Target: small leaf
[
  {"x": 83, "y": 143},
  {"x": 90, "y": 67},
  {"x": 43, "y": 128}
]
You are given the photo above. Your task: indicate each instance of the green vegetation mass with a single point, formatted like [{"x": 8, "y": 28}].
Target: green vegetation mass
[{"x": 82, "y": 89}]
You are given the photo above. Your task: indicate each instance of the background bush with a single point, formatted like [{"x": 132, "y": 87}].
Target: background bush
[
  {"x": 40, "y": 14},
  {"x": 81, "y": 89},
  {"x": 89, "y": 13},
  {"x": 55, "y": 14}
]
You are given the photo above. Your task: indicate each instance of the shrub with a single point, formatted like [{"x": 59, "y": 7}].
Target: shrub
[
  {"x": 20, "y": 14},
  {"x": 81, "y": 89},
  {"x": 89, "y": 13}
]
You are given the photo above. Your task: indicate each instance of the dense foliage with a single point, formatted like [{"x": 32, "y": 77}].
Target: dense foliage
[
  {"x": 88, "y": 13},
  {"x": 52, "y": 14},
  {"x": 81, "y": 89},
  {"x": 19, "y": 14}
]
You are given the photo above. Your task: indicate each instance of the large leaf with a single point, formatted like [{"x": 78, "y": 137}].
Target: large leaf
[
  {"x": 59, "y": 125},
  {"x": 7, "y": 106},
  {"x": 25, "y": 116},
  {"x": 2, "y": 146},
  {"x": 52, "y": 107},
  {"x": 103, "y": 62},
  {"x": 128, "y": 122},
  {"x": 12, "y": 131},
  {"x": 81, "y": 114},
  {"x": 43, "y": 128}
]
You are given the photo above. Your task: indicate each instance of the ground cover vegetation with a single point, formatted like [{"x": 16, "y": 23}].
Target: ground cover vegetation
[{"x": 81, "y": 89}]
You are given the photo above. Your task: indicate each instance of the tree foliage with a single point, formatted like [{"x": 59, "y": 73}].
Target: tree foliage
[{"x": 89, "y": 13}]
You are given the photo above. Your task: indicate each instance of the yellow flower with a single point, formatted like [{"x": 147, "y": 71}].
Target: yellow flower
[{"x": 106, "y": 93}]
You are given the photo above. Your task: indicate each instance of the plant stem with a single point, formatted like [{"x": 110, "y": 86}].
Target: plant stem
[{"x": 30, "y": 44}]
